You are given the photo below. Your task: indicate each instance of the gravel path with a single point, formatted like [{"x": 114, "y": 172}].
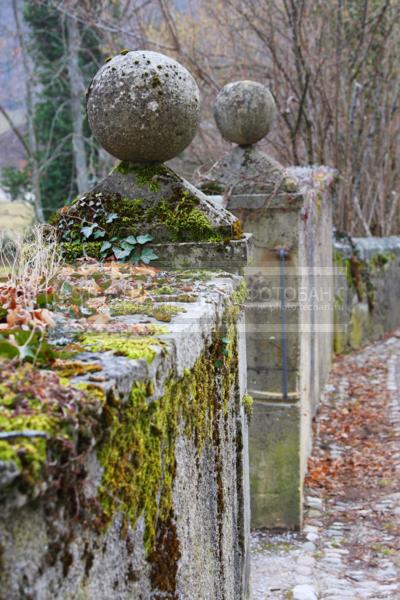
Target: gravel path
[{"x": 349, "y": 548}]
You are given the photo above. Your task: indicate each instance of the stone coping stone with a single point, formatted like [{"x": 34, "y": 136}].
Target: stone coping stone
[
  {"x": 231, "y": 256},
  {"x": 186, "y": 336},
  {"x": 303, "y": 180},
  {"x": 368, "y": 247}
]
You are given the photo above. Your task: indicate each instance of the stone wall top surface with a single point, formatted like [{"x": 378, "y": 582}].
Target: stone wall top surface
[{"x": 369, "y": 246}]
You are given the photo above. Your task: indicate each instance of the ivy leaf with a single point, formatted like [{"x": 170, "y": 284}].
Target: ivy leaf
[
  {"x": 126, "y": 244},
  {"x": 105, "y": 246},
  {"x": 131, "y": 240},
  {"x": 99, "y": 234},
  {"x": 120, "y": 253},
  {"x": 148, "y": 255},
  {"x": 111, "y": 217},
  {"x": 87, "y": 231},
  {"x": 143, "y": 239}
]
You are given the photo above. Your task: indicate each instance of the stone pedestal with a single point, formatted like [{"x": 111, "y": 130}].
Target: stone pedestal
[{"x": 288, "y": 211}]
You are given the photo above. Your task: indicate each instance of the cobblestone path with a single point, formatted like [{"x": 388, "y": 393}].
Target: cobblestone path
[{"x": 350, "y": 546}]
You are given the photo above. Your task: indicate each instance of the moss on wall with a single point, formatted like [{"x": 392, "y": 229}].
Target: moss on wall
[
  {"x": 147, "y": 174},
  {"x": 134, "y": 347},
  {"x": 161, "y": 312},
  {"x": 55, "y": 422},
  {"x": 138, "y": 455},
  {"x": 361, "y": 278},
  {"x": 247, "y": 402}
]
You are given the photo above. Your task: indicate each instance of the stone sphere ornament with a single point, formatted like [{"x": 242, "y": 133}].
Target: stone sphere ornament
[
  {"x": 143, "y": 106},
  {"x": 244, "y": 112}
]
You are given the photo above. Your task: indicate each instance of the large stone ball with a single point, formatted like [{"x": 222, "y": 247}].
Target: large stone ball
[
  {"x": 244, "y": 112},
  {"x": 143, "y": 106}
]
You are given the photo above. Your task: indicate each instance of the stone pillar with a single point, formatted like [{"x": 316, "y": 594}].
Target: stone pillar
[
  {"x": 143, "y": 108},
  {"x": 288, "y": 211}
]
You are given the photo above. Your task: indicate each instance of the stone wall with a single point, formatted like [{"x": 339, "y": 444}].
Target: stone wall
[
  {"x": 367, "y": 290},
  {"x": 160, "y": 508}
]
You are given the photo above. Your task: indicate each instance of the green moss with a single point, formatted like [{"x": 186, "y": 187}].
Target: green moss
[
  {"x": 176, "y": 219},
  {"x": 134, "y": 347},
  {"x": 247, "y": 402},
  {"x": 146, "y": 173},
  {"x": 34, "y": 400},
  {"x": 178, "y": 298},
  {"x": 173, "y": 216},
  {"x": 29, "y": 453},
  {"x": 155, "y": 81},
  {"x": 381, "y": 260},
  {"x": 163, "y": 312},
  {"x": 74, "y": 368},
  {"x": 92, "y": 390},
  {"x": 182, "y": 219},
  {"x": 138, "y": 455},
  {"x": 339, "y": 341},
  {"x": 164, "y": 289},
  {"x": 76, "y": 249},
  {"x": 192, "y": 275},
  {"x": 343, "y": 264},
  {"x": 240, "y": 294}
]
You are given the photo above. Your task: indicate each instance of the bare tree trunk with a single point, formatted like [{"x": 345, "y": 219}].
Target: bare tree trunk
[
  {"x": 33, "y": 147},
  {"x": 77, "y": 89}
]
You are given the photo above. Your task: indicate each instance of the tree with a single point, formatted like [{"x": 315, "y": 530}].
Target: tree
[{"x": 63, "y": 66}]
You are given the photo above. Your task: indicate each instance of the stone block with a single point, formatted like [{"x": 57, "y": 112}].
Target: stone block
[{"x": 275, "y": 482}]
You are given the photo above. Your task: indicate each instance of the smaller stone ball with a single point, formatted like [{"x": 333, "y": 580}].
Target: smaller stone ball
[
  {"x": 143, "y": 106},
  {"x": 244, "y": 112}
]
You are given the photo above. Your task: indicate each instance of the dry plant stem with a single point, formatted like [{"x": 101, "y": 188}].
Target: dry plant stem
[{"x": 32, "y": 262}]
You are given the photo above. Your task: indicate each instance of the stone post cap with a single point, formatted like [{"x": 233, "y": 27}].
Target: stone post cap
[
  {"x": 244, "y": 112},
  {"x": 143, "y": 106}
]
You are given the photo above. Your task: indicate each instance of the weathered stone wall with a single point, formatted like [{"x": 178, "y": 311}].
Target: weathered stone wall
[
  {"x": 161, "y": 508},
  {"x": 367, "y": 290}
]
